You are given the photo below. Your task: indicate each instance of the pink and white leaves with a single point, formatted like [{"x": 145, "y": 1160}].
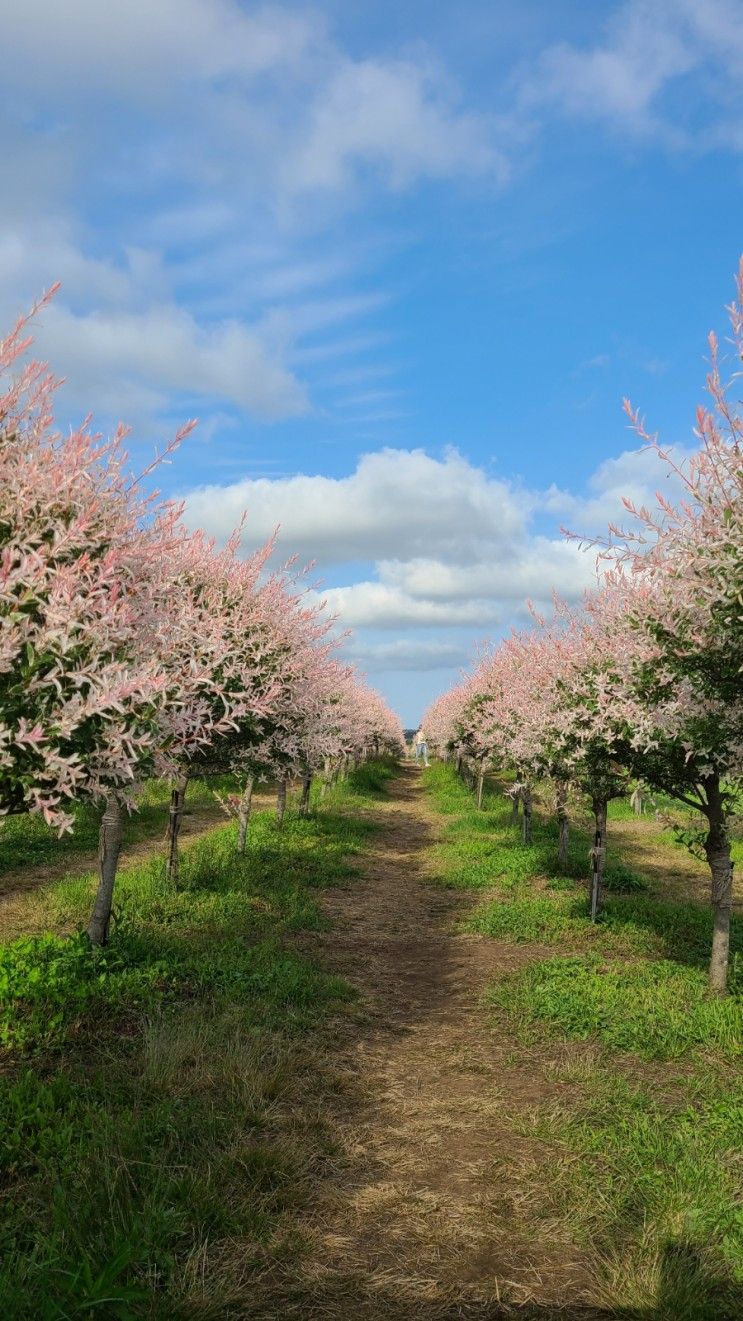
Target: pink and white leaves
[{"x": 128, "y": 645}]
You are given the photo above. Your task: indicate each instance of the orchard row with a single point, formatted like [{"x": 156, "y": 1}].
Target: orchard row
[
  {"x": 644, "y": 681},
  {"x": 132, "y": 647}
]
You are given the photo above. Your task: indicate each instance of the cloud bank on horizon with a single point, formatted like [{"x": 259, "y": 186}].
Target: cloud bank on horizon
[
  {"x": 402, "y": 261},
  {"x": 433, "y": 543}
]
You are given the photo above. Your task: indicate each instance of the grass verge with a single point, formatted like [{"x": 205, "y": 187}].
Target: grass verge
[
  {"x": 483, "y": 850},
  {"x": 26, "y": 842},
  {"x": 159, "y": 1099},
  {"x": 634, "y": 1154},
  {"x": 644, "y": 1175}
]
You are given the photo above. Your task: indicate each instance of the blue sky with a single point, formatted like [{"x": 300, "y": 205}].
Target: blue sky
[{"x": 402, "y": 260}]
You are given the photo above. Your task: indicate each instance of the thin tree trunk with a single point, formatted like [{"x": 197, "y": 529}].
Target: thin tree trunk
[
  {"x": 304, "y": 802},
  {"x": 243, "y": 814},
  {"x": 515, "y": 800},
  {"x": 480, "y": 784},
  {"x": 281, "y": 803},
  {"x": 717, "y": 849},
  {"x": 527, "y": 804},
  {"x": 564, "y": 826},
  {"x": 458, "y": 764},
  {"x": 109, "y": 848},
  {"x": 325, "y": 777},
  {"x": 598, "y": 856},
  {"x": 175, "y": 820}
]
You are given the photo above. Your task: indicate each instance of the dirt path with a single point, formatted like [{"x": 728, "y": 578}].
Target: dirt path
[{"x": 410, "y": 1222}]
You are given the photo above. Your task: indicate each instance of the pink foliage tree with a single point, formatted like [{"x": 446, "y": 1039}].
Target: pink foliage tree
[
  {"x": 85, "y": 590},
  {"x": 676, "y": 627},
  {"x": 118, "y": 653},
  {"x": 646, "y": 679}
]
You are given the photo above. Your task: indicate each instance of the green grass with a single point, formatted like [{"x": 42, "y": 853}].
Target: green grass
[
  {"x": 657, "y": 1008},
  {"x": 25, "y": 841},
  {"x": 369, "y": 780},
  {"x": 637, "y": 1161},
  {"x": 156, "y": 1099},
  {"x": 446, "y": 790},
  {"x": 647, "y": 1184},
  {"x": 635, "y": 925},
  {"x": 483, "y": 849},
  {"x": 621, "y": 809}
]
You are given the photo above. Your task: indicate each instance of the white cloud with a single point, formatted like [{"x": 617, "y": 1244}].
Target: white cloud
[
  {"x": 647, "y": 48},
  {"x": 394, "y": 117},
  {"x": 397, "y": 502},
  {"x": 439, "y": 530},
  {"x": 210, "y": 124},
  {"x": 137, "y": 345},
  {"x": 408, "y": 654},
  {"x": 141, "y": 48},
  {"x": 377, "y": 605},
  {"x": 533, "y": 570},
  {"x": 207, "y": 126},
  {"x": 456, "y": 552},
  {"x": 268, "y": 90},
  {"x": 634, "y": 475},
  {"x": 167, "y": 349}
]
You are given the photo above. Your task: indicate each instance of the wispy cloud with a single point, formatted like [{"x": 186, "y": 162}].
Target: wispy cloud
[
  {"x": 647, "y": 50},
  {"x": 229, "y": 143}
]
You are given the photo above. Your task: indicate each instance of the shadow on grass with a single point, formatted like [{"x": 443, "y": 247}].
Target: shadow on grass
[
  {"x": 686, "y": 1291},
  {"x": 482, "y": 849},
  {"x": 29, "y": 846}
]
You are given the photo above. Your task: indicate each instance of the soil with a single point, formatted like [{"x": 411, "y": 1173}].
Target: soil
[{"x": 414, "y": 1218}]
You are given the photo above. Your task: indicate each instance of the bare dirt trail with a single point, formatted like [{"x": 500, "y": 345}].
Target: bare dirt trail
[{"x": 412, "y": 1220}]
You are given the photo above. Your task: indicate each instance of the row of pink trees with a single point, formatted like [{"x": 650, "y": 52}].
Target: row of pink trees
[
  {"x": 131, "y": 647},
  {"x": 646, "y": 679}
]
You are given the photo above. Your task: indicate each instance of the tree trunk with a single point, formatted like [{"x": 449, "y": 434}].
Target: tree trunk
[
  {"x": 109, "y": 848},
  {"x": 458, "y": 764},
  {"x": 281, "y": 803},
  {"x": 527, "y": 804},
  {"x": 175, "y": 819},
  {"x": 325, "y": 777},
  {"x": 243, "y": 814},
  {"x": 717, "y": 849},
  {"x": 564, "y": 826},
  {"x": 304, "y": 802},
  {"x": 598, "y": 856},
  {"x": 515, "y": 800},
  {"x": 480, "y": 784}
]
